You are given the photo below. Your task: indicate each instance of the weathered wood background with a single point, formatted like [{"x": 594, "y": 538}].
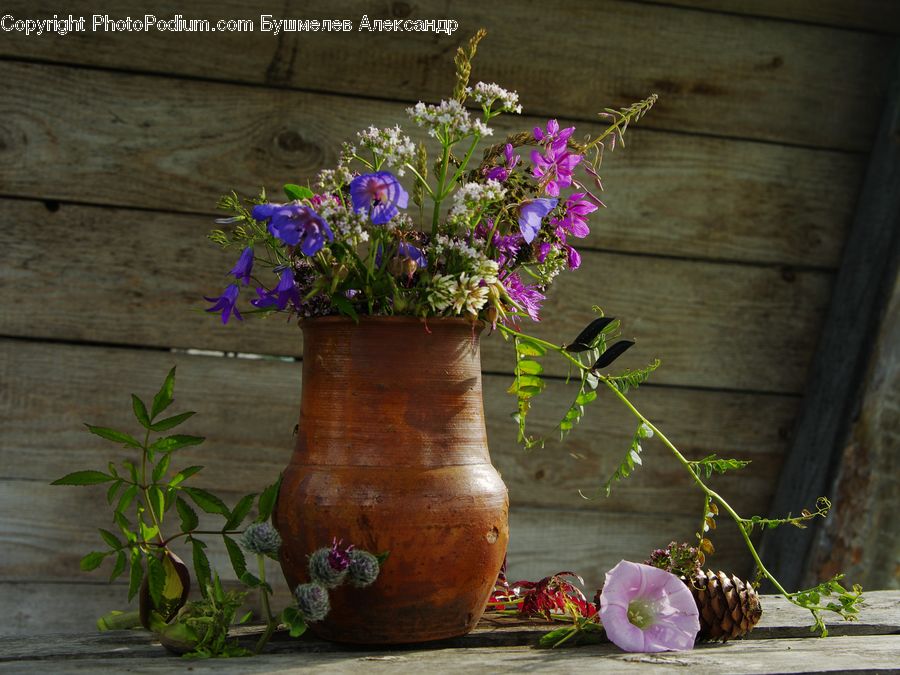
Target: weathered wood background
[{"x": 727, "y": 214}]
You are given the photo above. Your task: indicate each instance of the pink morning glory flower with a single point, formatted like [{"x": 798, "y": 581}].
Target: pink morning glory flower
[{"x": 646, "y": 609}]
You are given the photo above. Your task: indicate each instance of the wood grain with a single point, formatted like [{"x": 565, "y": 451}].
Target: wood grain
[
  {"x": 882, "y": 16},
  {"x": 247, "y": 410},
  {"x": 713, "y": 325},
  {"x": 717, "y": 73},
  {"x": 164, "y": 144}
]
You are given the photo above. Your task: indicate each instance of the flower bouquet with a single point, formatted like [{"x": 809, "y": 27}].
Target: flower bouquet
[{"x": 394, "y": 263}]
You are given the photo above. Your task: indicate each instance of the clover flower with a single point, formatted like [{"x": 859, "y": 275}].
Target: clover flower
[
  {"x": 244, "y": 266},
  {"x": 261, "y": 539},
  {"x": 379, "y": 195},
  {"x": 486, "y": 94},
  {"x": 440, "y": 292},
  {"x": 295, "y": 224},
  {"x": 531, "y": 213},
  {"x": 312, "y": 601},
  {"x": 646, "y": 609},
  {"x": 468, "y": 294},
  {"x": 225, "y": 303}
]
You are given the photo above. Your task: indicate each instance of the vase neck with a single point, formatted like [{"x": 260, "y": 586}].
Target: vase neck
[{"x": 391, "y": 392}]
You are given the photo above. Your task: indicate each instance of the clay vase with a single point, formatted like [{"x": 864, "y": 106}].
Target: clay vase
[{"x": 391, "y": 456}]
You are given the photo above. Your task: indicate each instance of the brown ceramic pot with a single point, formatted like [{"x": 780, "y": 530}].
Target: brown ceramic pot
[{"x": 392, "y": 455}]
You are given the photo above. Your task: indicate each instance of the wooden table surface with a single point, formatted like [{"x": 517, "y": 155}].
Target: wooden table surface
[{"x": 781, "y": 643}]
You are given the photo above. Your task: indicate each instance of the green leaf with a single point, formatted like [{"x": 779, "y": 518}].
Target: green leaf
[
  {"x": 382, "y": 558},
  {"x": 176, "y": 442},
  {"x": 251, "y": 581},
  {"x": 189, "y": 520},
  {"x": 140, "y": 411},
  {"x": 112, "y": 491},
  {"x": 529, "y": 367},
  {"x": 345, "y": 307},
  {"x": 156, "y": 579},
  {"x": 712, "y": 464},
  {"x": 586, "y": 397},
  {"x": 238, "y": 562},
  {"x": 137, "y": 573},
  {"x": 92, "y": 561},
  {"x": 207, "y": 501},
  {"x": 632, "y": 379},
  {"x": 297, "y": 192},
  {"x": 132, "y": 470},
  {"x": 161, "y": 467},
  {"x": 157, "y": 500},
  {"x": 240, "y": 512},
  {"x": 183, "y": 475},
  {"x": 163, "y": 397},
  {"x": 111, "y": 540},
  {"x": 527, "y": 347},
  {"x": 119, "y": 566},
  {"x": 83, "y": 478},
  {"x": 201, "y": 565},
  {"x": 293, "y": 619},
  {"x": 126, "y": 498},
  {"x": 113, "y": 435},
  {"x": 169, "y": 422},
  {"x": 267, "y": 501}
]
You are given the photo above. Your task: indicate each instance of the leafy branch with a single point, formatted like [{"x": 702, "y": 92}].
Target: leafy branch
[{"x": 840, "y": 600}]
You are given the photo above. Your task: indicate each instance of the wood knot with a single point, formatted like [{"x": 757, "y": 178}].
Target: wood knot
[{"x": 290, "y": 141}]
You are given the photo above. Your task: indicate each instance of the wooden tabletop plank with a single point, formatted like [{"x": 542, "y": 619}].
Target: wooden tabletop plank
[
  {"x": 717, "y": 73},
  {"x": 871, "y": 646},
  {"x": 149, "y": 272}
]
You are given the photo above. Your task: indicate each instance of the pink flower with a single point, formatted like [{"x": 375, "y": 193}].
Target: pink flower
[{"x": 646, "y": 609}]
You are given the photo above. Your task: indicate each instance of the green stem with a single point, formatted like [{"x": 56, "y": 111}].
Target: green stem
[
  {"x": 462, "y": 167},
  {"x": 146, "y": 490},
  {"x": 445, "y": 158},
  {"x": 270, "y": 620},
  {"x": 707, "y": 491}
]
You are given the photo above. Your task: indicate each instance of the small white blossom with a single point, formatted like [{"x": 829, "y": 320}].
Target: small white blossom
[
  {"x": 472, "y": 196},
  {"x": 390, "y": 144},
  {"x": 469, "y": 295},
  {"x": 440, "y": 292},
  {"x": 449, "y": 117},
  {"x": 487, "y": 93}
]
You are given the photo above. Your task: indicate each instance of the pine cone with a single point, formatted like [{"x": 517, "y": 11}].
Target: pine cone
[{"x": 729, "y": 607}]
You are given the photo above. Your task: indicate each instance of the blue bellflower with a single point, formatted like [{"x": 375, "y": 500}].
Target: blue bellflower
[
  {"x": 379, "y": 195},
  {"x": 531, "y": 213},
  {"x": 244, "y": 266},
  {"x": 295, "y": 224},
  {"x": 225, "y": 303},
  {"x": 281, "y": 295}
]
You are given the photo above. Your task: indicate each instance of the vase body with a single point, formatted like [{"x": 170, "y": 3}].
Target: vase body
[{"x": 391, "y": 456}]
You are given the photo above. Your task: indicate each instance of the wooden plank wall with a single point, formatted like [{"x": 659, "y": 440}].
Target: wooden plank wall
[{"x": 727, "y": 214}]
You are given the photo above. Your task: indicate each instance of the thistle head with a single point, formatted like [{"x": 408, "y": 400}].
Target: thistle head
[
  {"x": 364, "y": 568},
  {"x": 261, "y": 539},
  {"x": 312, "y": 601}
]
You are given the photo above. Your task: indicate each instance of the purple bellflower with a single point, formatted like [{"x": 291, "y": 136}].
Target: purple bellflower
[
  {"x": 531, "y": 213},
  {"x": 225, "y": 303},
  {"x": 284, "y": 293},
  {"x": 646, "y": 609},
  {"x": 415, "y": 254},
  {"x": 379, "y": 195},
  {"x": 295, "y": 224},
  {"x": 244, "y": 266}
]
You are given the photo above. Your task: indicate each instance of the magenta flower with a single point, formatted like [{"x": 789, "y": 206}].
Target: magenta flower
[
  {"x": 574, "y": 221},
  {"x": 553, "y": 134},
  {"x": 244, "y": 266},
  {"x": 646, "y": 609},
  {"x": 529, "y": 298},
  {"x": 295, "y": 224},
  {"x": 225, "y": 303},
  {"x": 554, "y": 168},
  {"x": 531, "y": 213},
  {"x": 501, "y": 173},
  {"x": 379, "y": 195}
]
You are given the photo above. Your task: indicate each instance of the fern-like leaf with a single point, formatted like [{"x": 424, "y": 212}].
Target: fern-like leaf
[
  {"x": 712, "y": 464},
  {"x": 632, "y": 379}
]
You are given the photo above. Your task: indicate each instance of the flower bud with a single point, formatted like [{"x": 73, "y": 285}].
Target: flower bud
[
  {"x": 312, "y": 601},
  {"x": 261, "y": 539},
  {"x": 323, "y": 571},
  {"x": 492, "y": 314},
  {"x": 409, "y": 267},
  {"x": 364, "y": 568}
]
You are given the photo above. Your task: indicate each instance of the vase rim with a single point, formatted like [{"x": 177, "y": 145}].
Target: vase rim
[{"x": 339, "y": 318}]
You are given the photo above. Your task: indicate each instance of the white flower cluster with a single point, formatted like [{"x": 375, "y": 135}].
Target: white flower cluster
[
  {"x": 486, "y": 93},
  {"x": 470, "y": 196},
  {"x": 345, "y": 222},
  {"x": 332, "y": 180},
  {"x": 443, "y": 244},
  {"x": 390, "y": 144},
  {"x": 469, "y": 291},
  {"x": 450, "y": 115}
]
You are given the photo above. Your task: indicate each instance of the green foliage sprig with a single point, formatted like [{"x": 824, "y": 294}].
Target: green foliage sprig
[{"x": 830, "y": 596}]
